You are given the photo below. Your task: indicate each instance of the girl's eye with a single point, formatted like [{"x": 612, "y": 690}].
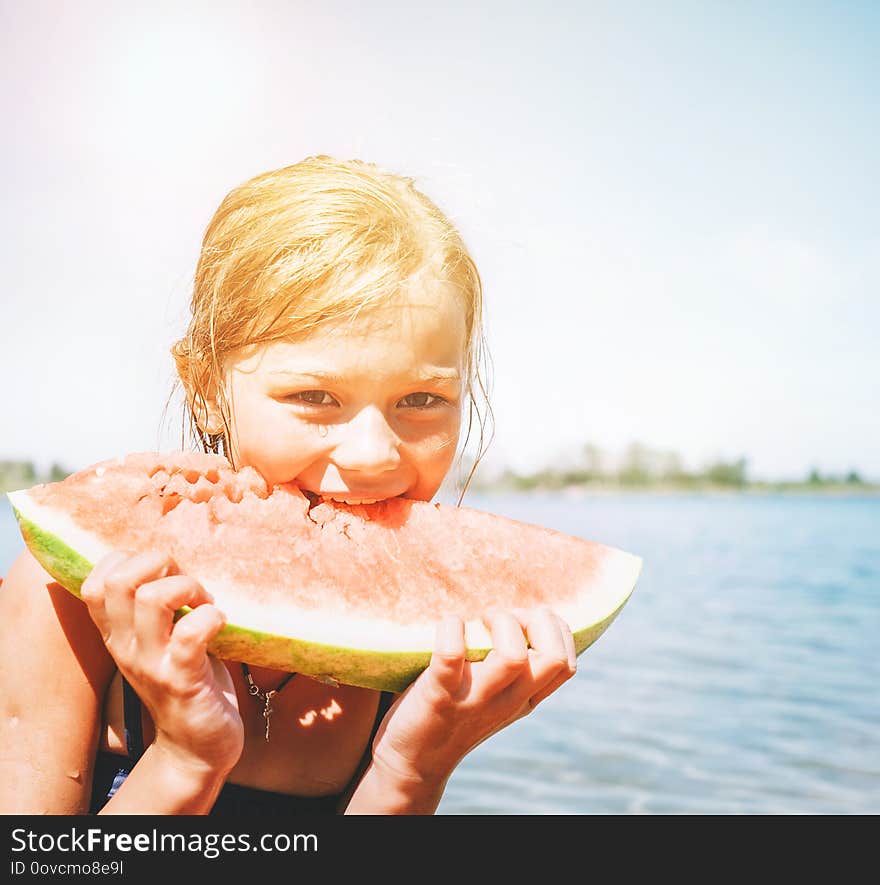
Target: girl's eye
[
  {"x": 412, "y": 400},
  {"x": 312, "y": 397},
  {"x": 420, "y": 400}
]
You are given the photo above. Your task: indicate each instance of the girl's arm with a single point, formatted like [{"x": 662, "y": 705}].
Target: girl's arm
[
  {"x": 382, "y": 790},
  {"x": 54, "y": 673},
  {"x": 161, "y": 784},
  {"x": 56, "y": 666},
  {"x": 455, "y": 705}
]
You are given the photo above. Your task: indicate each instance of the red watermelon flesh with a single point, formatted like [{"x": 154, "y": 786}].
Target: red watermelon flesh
[{"x": 355, "y": 579}]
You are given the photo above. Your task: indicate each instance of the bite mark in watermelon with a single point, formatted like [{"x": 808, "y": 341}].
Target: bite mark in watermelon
[{"x": 346, "y": 593}]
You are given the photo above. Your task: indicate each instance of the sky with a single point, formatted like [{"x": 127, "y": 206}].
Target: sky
[{"x": 675, "y": 207}]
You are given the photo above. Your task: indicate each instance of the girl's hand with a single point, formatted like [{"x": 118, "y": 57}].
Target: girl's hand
[
  {"x": 454, "y": 705},
  {"x": 132, "y": 599}
]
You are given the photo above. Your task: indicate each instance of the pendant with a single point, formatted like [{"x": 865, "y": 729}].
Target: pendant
[
  {"x": 265, "y": 696},
  {"x": 267, "y": 710}
]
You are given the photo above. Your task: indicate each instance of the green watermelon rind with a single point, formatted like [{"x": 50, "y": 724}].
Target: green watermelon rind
[{"x": 381, "y": 669}]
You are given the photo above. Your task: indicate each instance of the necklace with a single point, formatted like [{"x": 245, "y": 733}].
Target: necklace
[{"x": 255, "y": 691}]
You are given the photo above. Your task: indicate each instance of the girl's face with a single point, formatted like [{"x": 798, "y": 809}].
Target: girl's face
[{"x": 360, "y": 410}]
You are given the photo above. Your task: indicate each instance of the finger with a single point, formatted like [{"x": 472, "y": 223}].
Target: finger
[
  {"x": 552, "y": 657},
  {"x": 191, "y": 635},
  {"x": 155, "y": 605},
  {"x": 548, "y": 689},
  {"x": 570, "y": 647},
  {"x": 509, "y": 654},
  {"x": 137, "y": 568},
  {"x": 546, "y": 633},
  {"x": 123, "y": 580},
  {"x": 92, "y": 589},
  {"x": 101, "y": 567},
  {"x": 447, "y": 660}
]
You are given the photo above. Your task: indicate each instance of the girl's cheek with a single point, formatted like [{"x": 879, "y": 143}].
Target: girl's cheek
[{"x": 278, "y": 456}]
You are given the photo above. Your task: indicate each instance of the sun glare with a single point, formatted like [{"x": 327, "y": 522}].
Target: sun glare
[{"x": 330, "y": 712}]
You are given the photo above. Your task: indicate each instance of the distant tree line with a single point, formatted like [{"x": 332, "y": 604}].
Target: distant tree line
[
  {"x": 852, "y": 477},
  {"x": 23, "y": 474},
  {"x": 643, "y": 466}
]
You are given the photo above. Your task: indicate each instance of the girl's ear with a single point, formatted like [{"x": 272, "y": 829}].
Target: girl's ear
[
  {"x": 208, "y": 415},
  {"x": 206, "y": 410},
  {"x": 202, "y": 388}
]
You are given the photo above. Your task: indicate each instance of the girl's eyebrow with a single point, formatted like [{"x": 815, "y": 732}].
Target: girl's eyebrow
[{"x": 434, "y": 375}]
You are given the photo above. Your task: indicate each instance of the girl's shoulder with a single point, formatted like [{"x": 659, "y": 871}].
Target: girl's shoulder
[{"x": 45, "y": 625}]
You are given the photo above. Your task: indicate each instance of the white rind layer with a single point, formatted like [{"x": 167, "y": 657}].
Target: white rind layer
[
  {"x": 85, "y": 543},
  {"x": 604, "y": 592}
]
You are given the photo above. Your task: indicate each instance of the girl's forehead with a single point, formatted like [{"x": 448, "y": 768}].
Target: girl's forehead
[{"x": 410, "y": 334}]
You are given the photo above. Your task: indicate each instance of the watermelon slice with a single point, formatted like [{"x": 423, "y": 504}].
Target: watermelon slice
[{"x": 345, "y": 593}]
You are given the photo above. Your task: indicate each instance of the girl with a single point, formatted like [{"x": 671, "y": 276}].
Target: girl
[{"x": 335, "y": 335}]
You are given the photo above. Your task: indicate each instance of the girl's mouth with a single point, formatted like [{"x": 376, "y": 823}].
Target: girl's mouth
[{"x": 315, "y": 498}]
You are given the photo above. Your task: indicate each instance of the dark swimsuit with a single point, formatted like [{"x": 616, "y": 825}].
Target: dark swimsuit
[{"x": 111, "y": 769}]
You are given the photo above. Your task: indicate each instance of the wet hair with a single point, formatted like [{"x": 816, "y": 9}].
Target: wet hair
[{"x": 317, "y": 241}]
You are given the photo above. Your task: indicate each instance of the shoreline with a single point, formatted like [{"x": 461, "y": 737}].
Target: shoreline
[{"x": 611, "y": 489}]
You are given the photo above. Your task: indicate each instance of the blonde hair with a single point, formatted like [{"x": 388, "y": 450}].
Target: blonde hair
[{"x": 319, "y": 240}]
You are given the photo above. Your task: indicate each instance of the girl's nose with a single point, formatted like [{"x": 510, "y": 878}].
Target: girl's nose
[{"x": 368, "y": 444}]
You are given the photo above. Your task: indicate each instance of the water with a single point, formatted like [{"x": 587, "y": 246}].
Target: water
[{"x": 741, "y": 678}]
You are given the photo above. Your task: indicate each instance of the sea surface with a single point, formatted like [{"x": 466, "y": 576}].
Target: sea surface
[{"x": 742, "y": 677}]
